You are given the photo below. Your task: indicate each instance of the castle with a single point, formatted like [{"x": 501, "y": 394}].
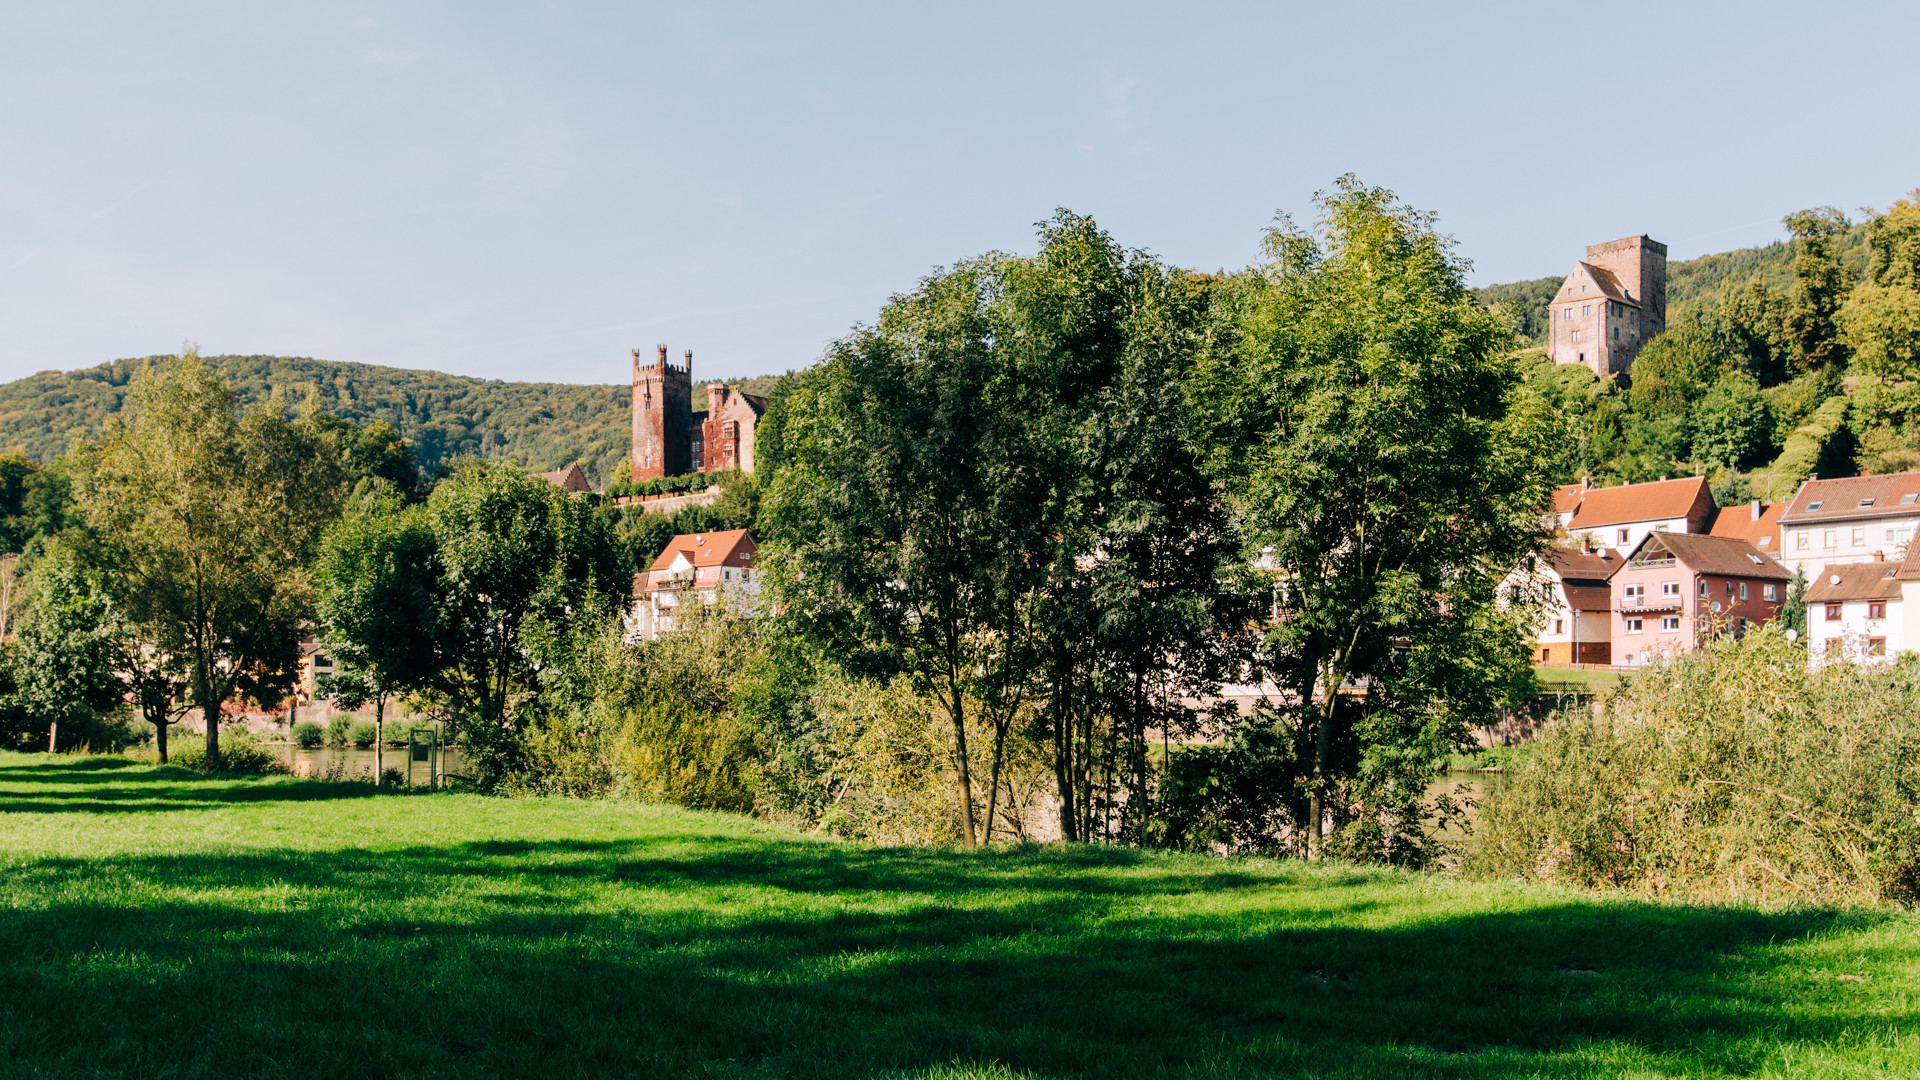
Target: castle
[
  {"x": 1610, "y": 305},
  {"x": 670, "y": 439}
]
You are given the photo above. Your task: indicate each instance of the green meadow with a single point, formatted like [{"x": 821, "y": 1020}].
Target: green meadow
[{"x": 157, "y": 923}]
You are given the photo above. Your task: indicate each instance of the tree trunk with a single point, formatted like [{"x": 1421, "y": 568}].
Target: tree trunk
[
  {"x": 53, "y": 734},
  {"x": 993, "y": 775},
  {"x": 1322, "y": 751},
  {"x": 203, "y": 693},
  {"x": 962, "y": 780},
  {"x": 160, "y": 737},
  {"x": 1063, "y": 756},
  {"x": 379, "y": 740}
]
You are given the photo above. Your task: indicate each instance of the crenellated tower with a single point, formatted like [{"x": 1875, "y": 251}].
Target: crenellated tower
[{"x": 662, "y": 416}]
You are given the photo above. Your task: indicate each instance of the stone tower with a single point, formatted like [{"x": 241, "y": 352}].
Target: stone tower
[
  {"x": 1610, "y": 305},
  {"x": 662, "y": 417}
]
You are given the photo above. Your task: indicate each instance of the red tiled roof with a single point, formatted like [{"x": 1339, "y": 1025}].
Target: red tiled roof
[
  {"x": 735, "y": 547},
  {"x": 1661, "y": 500},
  {"x": 1740, "y": 523},
  {"x": 1566, "y": 498},
  {"x": 1839, "y": 500},
  {"x": 1604, "y": 280},
  {"x": 1597, "y": 565}
]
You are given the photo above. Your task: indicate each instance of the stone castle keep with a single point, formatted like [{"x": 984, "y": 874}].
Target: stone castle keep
[
  {"x": 670, "y": 439},
  {"x": 1610, "y": 305}
]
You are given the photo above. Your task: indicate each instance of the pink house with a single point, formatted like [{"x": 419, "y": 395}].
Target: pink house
[{"x": 1676, "y": 589}]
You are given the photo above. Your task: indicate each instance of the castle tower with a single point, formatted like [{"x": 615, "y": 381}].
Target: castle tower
[
  {"x": 662, "y": 417},
  {"x": 1610, "y": 305}
]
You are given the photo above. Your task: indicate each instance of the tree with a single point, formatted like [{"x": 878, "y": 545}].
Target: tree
[
  {"x": 1729, "y": 423},
  {"x": 517, "y": 561},
  {"x": 903, "y": 524},
  {"x": 378, "y": 580},
  {"x": 206, "y": 519},
  {"x": 1383, "y": 456},
  {"x": 1820, "y": 284},
  {"x": 1881, "y": 319},
  {"x": 65, "y": 655}
]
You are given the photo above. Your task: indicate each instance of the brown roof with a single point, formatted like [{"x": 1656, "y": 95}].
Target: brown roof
[
  {"x": 568, "y": 479},
  {"x": 1723, "y": 555},
  {"x": 1566, "y": 498},
  {"x": 1741, "y": 523},
  {"x": 735, "y": 547},
  {"x": 1856, "y": 581},
  {"x": 1839, "y": 500},
  {"x": 1572, "y": 563},
  {"x": 1604, "y": 279},
  {"x": 1596, "y": 597},
  {"x": 1661, "y": 500}
]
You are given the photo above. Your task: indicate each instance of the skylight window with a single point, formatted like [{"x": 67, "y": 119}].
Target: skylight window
[
  {"x": 1815, "y": 505},
  {"x": 1866, "y": 502},
  {"x": 1908, "y": 498},
  {"x": 1757, "y": 561}
]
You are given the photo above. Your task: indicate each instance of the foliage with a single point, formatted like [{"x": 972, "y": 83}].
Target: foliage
[
  {"x": 1734, "y": 773},
  {"x": 439, "y": 417},
  {"x": 1880, "y": 321},
  {"x": 1526, "y": 303},
  {"x": 240, "y": 755},
  {"x": 339, "y": 729},
  {"x": 362, "y": 734},
  {"x": 1820, "y": 284},
  {"x": 64, "y": 660},
  {"x": 1380, "y": 450},
  {"x": 308, "y": 735}
]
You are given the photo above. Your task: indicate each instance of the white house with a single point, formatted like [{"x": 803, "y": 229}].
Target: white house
[
  {"x": 1621, "y": 517},
  {"x": 1864, "y": 612},
  {"x": 1855, "y": 519},
  {"x": 696, "y": 571}
]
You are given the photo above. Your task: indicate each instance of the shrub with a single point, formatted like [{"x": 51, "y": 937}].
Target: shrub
[
  {"x": 308, "y": 734},
  {"x": 339, "y": 729},
  {"x": 240, "y": 754},
  {"x": 363, "y": 733},
  {"x": 1729, "y": 773}
]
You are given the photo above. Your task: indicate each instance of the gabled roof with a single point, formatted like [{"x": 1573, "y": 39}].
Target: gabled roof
[
  {"x": 1572, "y": 564},
  {"x": 1566, "y": 497},
  {"x": 1601, "y": 278},
  {"x": 1756, "y": 522},
  {"x": 1856, "y": 581},
  {"x": 735, "y": 547},
  {"x": 568, "y": 479},
  {"x": 1891, "y": 494},
  {"x": 1721, "y": 555},
  {"x": 1660, "y": 500}
]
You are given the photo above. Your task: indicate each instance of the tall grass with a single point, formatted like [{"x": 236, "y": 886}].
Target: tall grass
[{"x": 1731, "y": 773}]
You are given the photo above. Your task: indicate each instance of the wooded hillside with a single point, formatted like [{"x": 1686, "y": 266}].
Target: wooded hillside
[{"x": 539, "y": 425}]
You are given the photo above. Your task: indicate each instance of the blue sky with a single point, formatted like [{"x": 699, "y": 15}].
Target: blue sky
[{"x": 528, "y": 191}]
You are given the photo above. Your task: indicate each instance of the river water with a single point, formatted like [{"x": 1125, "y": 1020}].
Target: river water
[{"x": 343, "y": 763}]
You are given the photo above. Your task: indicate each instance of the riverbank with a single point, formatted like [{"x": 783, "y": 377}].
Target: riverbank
[{"x": 163, "y": 923}]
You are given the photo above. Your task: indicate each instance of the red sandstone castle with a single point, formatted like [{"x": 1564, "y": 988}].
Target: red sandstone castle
[
  {"x": 670, "y": 439},
  {"x": 1610, "y": 305}
]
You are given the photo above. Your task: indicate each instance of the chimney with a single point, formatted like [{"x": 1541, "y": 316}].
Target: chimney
[
  {"x": 1879, "y": 556},
  {"x": 1812, "y": 476},
  {"x": 1754, "y": 509},
  {"x": 663, "y": 358}
]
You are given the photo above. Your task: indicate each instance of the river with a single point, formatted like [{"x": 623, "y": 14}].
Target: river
[{"x": 342, "y": 763}]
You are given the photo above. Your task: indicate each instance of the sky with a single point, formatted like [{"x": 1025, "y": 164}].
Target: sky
[{"x": 529, "y": 191}]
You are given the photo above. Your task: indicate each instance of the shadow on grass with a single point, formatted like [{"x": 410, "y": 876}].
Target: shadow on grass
[
  {"x": 723, "y": 956},
  {"x": 95, "y": 785}
]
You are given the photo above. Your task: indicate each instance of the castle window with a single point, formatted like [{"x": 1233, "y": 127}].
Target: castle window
[{"x": 1586, "y": 311}]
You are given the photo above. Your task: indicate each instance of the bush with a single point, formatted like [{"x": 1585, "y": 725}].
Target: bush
[
  {"x": 339, "y": 729},
  {"x": 308, "y": 734},
  {"x": 363, "y": 733},
  {"x": 240, "y": 754},
  {"x": 1730, "y": 773}
]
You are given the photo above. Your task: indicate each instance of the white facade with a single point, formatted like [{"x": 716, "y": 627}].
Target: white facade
[{"x": 1808, "y": 547}]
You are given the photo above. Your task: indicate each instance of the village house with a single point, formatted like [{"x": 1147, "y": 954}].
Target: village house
[
  {"x": 1855, "y": 519},
  {"x": 1609, "y": 306},
  {"x": 1621, "y": 517},
  {"x": 1576, "y": 621},
  {"x": 1859, "y": 612},
  {"x": 570, "y": 479},
  {"x": 695, "y": 572},
  {"x": 1677, "y": 589},
  {"x": 1756, "y": 522}
]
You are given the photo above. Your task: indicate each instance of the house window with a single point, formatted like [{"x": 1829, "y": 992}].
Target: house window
[
  {"x": 1866, "y": 502},
  {"x": 1876, "y": 646},
  {"x": 1743, "y": 590},
  {"x": 1586, "y": 311},
  {"x": 1706, "y": 588},
  {"x": 1877, "y": 609},
  {"x": 1729, "y": 590},
  {"x": 1616, "y": 333},
  {"x": 1801, "y": 539},
  {"x": 1814, "y": 505},
  {"x": 1859, "y": 535},
  {"x": 1908, "y": 498},
  {"x": 1636, "y": 594},
  {"x": 1546, "y": 591},
  {"x": 1831, "y": 539},
  {"x": 1769, "y": 592},
  {"x": 1622, "y": 535},
  {"x": 1833, "y": 612},
  {"x": 1559, "y": 626},
  {"x": 1669, "y": 622},
  {"x": 1576, "y": 335},
  {"x": 1633, "y": 624},
  {"x": 1669, "y": 588}
]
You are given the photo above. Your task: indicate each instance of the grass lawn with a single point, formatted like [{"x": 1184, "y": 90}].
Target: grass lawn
[
  {"x": 1580, "y": 679},
  {"x": 157, "y": 924}
]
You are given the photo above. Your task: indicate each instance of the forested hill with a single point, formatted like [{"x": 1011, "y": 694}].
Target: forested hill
[
  {"x": 1690, "y": 278},
  {"x": 539, "y": 425}
]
